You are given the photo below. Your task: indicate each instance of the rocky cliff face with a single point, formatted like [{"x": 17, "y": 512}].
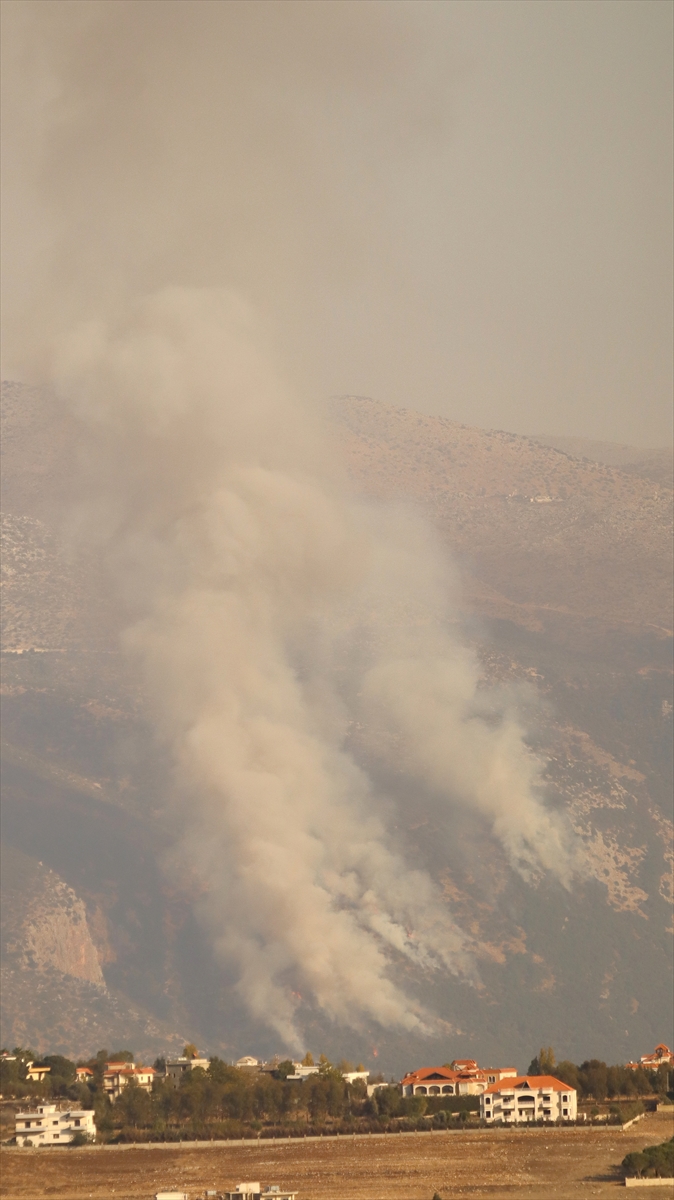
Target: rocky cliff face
[
  {"x": 46, "y": 923},
  {"x": 54, "y": 997}
]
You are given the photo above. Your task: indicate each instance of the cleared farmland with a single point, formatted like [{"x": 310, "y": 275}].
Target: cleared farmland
[{"x": 564, "y": 1163}]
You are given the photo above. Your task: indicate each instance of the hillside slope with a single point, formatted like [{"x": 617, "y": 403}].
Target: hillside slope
[{"x": 565, "y": 594}]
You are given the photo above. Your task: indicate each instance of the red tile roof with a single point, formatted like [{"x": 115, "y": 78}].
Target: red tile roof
[
  {"x": 545, "y": 1082},
  {"x": 424, "y": 1074}
]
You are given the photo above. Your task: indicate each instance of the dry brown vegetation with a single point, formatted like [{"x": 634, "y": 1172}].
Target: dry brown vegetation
[
  {"x": 563, "y": 1163},
  {"x": 536, "y": 531}
]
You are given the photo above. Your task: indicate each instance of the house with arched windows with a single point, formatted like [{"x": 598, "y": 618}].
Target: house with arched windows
[{"x": 463, "y": 1077}]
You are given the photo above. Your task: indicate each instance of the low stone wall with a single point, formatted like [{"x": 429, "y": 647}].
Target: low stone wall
[{"x": 650, "y": 1183}]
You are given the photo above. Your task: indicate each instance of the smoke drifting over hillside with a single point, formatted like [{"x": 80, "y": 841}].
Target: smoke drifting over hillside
[
  {"x": 176, "y": 168},
  {"x": 268, "y": 610}
]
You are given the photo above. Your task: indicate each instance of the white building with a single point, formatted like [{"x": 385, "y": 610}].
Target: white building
[
  {"x": 49, "y": 1126},
  {"x": 302, "y": 1072},
  {"x": 254, "y": 1191},
  {"x": 528, "y": 1098},
  {"x": 36, "y": 1073}
]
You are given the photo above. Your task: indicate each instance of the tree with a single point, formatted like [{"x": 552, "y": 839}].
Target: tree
[
  {"x": 190, "y": 1051},
  {"x": 61, "y": 1073},
  {"x": 543, "y": 1063},
  {"x": 308, "y": 1060},
  {"x": 134, "y": 1105},
  {"x": 568, "y": 1073},
  {"x": 120, "y": 1056},
  {"x": 80, "y": 1138},
  {"x": 284, "y": 1069},
  {"x": 593, "y": 1079}
]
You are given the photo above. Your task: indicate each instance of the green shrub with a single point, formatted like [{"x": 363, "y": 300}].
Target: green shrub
[{"x": 653, "y": 1162}]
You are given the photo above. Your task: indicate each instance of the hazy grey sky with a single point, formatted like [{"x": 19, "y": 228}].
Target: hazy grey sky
[{"x": 459, "y": 207}]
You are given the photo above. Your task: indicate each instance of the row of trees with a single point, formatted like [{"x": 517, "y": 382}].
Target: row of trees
[
  {"x": 594, "y": 1080},
  {"x": 223, "y": 1101}
]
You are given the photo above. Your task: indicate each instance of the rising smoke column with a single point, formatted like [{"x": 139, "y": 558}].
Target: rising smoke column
[{"x": 250, "y": 572}]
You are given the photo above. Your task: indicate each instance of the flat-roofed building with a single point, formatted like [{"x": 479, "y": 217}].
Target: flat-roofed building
[
  {"x": 177, "y": 1067},
  {"x": 47, "y": 1125},
  {"x": 37, "y": 1073}
]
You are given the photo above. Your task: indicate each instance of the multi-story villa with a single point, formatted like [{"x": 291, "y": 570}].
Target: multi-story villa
[
  {"x": 462, "y": 1078},
  {"x": 528, "y": 1098},
  {"x": 49, "y": 1126},
  {"x": 117, "y": 1076}
]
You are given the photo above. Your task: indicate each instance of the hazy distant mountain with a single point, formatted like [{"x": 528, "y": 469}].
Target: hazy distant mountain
[
  {"x": 565, "y": 587},
  {"x": 655, "y": 464}
]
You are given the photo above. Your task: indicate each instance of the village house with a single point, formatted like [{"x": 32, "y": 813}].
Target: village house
[
  {"x": 49, "y": 1126},
  {"x": 117, "y": 1076},
  {"x": 528, "y": 1098},
  {"x": 177, "y": 1067},
  {"x": 650, "y": 1062},
  {"x": 462, "y": 1078},
  {"x": 248, "y": 1063},
  {"x": 36, "y": 1073}
]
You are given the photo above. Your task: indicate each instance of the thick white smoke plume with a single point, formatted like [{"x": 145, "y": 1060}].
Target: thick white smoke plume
[{"x": 272, "y": 611}]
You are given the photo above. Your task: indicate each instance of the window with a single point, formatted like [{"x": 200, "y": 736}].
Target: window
[
  {"x": 54, "y": 1122},
  {"x": 77, "y": 1121}
]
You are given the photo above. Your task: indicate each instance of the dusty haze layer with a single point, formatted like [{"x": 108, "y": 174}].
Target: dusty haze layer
[
  {"x": 218, "y": 213},
  {"x": 464, "y": 204}
]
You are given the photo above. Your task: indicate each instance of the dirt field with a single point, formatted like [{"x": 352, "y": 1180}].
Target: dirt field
[{"x": 564, "y": 1164}]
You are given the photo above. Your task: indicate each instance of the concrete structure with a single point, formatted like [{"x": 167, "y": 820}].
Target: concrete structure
[
  {"x": 36, "y": 1073},
  {"x": 248, "y": 1063},
  {"x": 352, "y": 1076},
  {"x": 528, "y": 1098},
  {"x": 301, "y": 1072},
  {"x": 117, "y": 1076},
  {"x": 177, "y": 1067},
  {"x": 47, "y": 1125},
  {"x": 83, "y": 1074},
  {"x": 253, "y": 1191}
]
